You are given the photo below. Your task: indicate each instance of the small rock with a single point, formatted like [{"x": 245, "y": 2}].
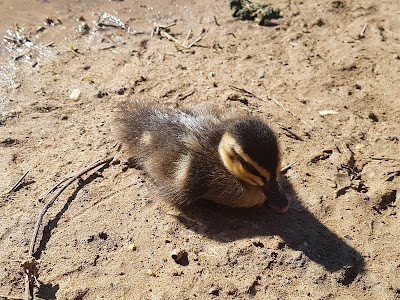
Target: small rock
[
  {"x": 177, "y": 254},
  {"x": 252, "y": 290},
  {"x": 132, "y": 247},
  {"x": 75, "y": 94},
  {"x": 231, "y": 290},
  {"x": 258, "y": 244},
  {"x": 115, "y": 161},
  {"x": 103, "y": 235},
  {"x": 319, "y": 22},
  {"x": 343, "y": 183},
  {"x": 150, "y": 272},
  {"x": 180, "y": 257},
  {"x": 281, "y": 245},
  {"x": 347, "y": 275},
  {"x": 260, "y": 73},
  {"x": 214, "y": 290},
  {"x": 84, "y": 28},
  {"x": 63, "y": 117},
  {"x": 373, "y": 117}
]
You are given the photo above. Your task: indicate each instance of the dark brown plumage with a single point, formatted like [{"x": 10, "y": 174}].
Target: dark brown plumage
[{"x": 203, "y": 154}]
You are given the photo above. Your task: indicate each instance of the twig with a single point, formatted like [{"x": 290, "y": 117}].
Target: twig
[
  {"x": 18, "y": 182},
  {"x": 50, "y": 44},
  {"x": 246, "y": 92},
  {"x": 382, "y": 158},
  {"x": 11, "y": 297},
  {"x": 50, "y": 203},
  {"x": 165, "y": 34},
  {"x": 290, "y": 134},
  {"x": 289, "y": 111},
  {"x": 161, "y": 30},
  {"x": 54, "y": 188},
  {"x": 158, "y": 27},
  {"x": 183, "y": 97},
  {"x": 201, "y": 34},
  {"x": 187, "y": 38},
  {"x": 215, "y": 20},
  {"x": 166, "y": 26},
  {"x": 289, "y": 166},
  {"x": 30, "y": 264},
  {"x": 243, "y": 91},
  {"x": 362, "y": 33}
]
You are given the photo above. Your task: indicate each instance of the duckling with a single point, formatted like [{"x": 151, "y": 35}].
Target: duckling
[{"x": 204, "y": 153}]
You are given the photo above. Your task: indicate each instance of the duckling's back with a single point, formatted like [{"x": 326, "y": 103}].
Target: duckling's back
[{"x": 166, "y": 142}]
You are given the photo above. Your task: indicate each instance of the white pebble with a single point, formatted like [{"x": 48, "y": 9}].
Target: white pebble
[
  {"x": 132, "y": 247},
  {"x": 75, "y": 94}
]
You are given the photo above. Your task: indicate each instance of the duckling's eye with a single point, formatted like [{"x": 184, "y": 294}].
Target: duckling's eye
[{"x": 249, "y": 167}]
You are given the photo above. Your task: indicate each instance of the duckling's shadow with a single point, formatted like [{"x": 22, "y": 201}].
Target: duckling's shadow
[{"x": 299, "y": 228}]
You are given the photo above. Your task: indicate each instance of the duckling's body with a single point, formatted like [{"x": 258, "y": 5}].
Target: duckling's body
[{"x": 201, "y": 154}]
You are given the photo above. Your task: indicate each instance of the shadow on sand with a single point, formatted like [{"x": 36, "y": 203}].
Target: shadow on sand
[{"x": 299, "y": 228}]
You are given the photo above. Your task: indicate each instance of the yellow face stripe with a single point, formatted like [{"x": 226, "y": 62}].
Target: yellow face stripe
[{"x": 234, "y": 166}]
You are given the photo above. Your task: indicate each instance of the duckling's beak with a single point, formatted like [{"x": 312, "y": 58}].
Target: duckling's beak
[{"x": 276, "y": 196}]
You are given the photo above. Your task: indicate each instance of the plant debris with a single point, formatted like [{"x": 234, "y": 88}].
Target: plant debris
[
  {"x": 106, "y": 19},
  {"x": 261, "y": 13}
]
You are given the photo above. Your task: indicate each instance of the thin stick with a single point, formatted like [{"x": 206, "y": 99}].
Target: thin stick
[
  {"x": 195, "y": 41},
  {"x": 18, "y": 182},
  {"x": 50, "y": 203},
  {"x": 11, "y": 297},
  {"x": 362, "y": 33},
  {"x": 28, "y": 271},
  {"x": 183, "y": 97},
  {"x": 290, "y": 132},
  {"x": 215, "y": 20},
  {"x": 289, "y": 111},
  {"x": 162, "y": 31},
  {"x": 169, "y": 37},
  {"x": 246, "y": 92},
  {"x": 382, "y": 158},
  {"x": 187, "y": 38},
  {"x": 54, "y": 187},
  {"x": 165, "y": 26},
  {"x": 289, "y": 166}
]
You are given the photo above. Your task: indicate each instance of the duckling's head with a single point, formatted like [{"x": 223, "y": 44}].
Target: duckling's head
[{"x": 249, "y": 149}]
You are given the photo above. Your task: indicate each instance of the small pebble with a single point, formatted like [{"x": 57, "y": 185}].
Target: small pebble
[
  {"x": 63, "y": 117},
  {"x": 373, "y": 117},
  {"x": 214, "y": 290},
  {"x": 177, "y": 254},
  {"x": 260, "y": 73},
  {"x": 132, "y": 247},
  {"x": 150, "y": 273},
  {"x": 75, "y": 94}
]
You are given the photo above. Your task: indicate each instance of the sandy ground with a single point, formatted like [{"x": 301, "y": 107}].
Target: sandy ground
[{"x": 340, "y": 238}]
